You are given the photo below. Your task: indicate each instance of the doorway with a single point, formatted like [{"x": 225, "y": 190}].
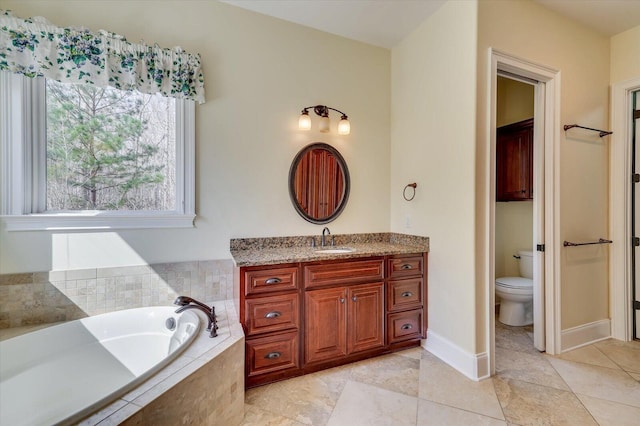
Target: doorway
[
  {"x": 516, "y": 207},
  {"x": 546, "y": 205}
]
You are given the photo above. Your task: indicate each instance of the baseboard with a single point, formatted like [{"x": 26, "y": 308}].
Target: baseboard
[
  {"x": 585, "y": 334},
  {"x": 475, "y": 367}
]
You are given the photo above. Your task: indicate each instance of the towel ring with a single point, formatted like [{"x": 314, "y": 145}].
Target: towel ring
[{"x": 404, "y": 193}]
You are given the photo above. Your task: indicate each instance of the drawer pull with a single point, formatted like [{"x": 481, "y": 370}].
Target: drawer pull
[
  {"x": 342, "y": 300},
  {"x": 272, "y": 355},
  {"x": 407, "y": 294},
  {"x": 354, "y": 298},
  {"x": 272, "y": 314},
  {"x": 406, "y": 266},
  {"x": 273, "y": 281},
  {"x": 406, "y": 327}
]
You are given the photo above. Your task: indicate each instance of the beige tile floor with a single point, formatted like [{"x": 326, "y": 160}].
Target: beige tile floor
[{"x": 594, "y": 385}]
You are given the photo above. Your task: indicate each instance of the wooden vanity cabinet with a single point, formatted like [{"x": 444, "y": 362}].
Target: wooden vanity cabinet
[
  {"x": 270, "y": 312},
  {"x": 514, "y": 161},
  {"x": 406, "y": 299},
  {"x": 305, "y": 317},
  {"x": 343, "y": 320}
]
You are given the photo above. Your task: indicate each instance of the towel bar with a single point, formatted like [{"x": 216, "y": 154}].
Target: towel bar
[{"x": 600, "y": 241}]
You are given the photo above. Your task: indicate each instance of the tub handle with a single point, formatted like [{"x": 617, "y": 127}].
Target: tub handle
[
  {"x": 273, "y": 314},
  {"x": 273, "y": 281},
  {"x": 272, "y": 355},
  {"x": 406, "y": 266},
  {"x": 407, "y": 294},
  {"x": 406, "y": 327}
]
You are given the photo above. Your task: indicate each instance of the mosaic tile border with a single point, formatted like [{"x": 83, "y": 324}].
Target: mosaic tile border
[{"x": 47, "y": 297}]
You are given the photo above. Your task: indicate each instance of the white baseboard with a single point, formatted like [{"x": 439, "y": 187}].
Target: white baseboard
[
  {"x": 585, "y": 334},
  {"x": 475, "y": 367}
]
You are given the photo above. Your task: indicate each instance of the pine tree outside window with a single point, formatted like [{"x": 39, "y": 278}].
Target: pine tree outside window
[{"x": 108, "y": 149}]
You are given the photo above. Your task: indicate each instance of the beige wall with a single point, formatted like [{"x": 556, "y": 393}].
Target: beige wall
[
  {"x": 514, "y": 220},
  {"x": 529, "y": 31},
  {"x": 625, "y": 55},
  {"x": 259, "y": 73},
  {"x": 514, "y": 231},
  {"x": 433, "y": 82},
  {"x": 514, "y": 101}
]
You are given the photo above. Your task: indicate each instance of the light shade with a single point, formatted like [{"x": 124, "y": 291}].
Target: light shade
[
  {"x": 324, "y": 124},
  {"x": 344, "y": 127},
  {"x": 304, "y": 122}
]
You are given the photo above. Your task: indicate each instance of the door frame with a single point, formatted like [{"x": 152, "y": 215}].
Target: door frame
[
  {"x": 547, "y": 131},
  {"x": 620, "y": 280}
]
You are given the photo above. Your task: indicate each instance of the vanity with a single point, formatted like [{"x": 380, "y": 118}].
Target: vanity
[
  {"x": 313, "y": 302},
  {"x": 304, "y": 309}
]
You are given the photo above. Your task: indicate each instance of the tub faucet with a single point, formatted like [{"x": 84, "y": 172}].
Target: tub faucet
[
  {"x": 188, "y": 303},
  {"x": 323, "y": 235}
]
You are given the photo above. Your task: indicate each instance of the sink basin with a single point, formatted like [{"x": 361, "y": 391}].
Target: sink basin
[{"x": 335, "y": 250}]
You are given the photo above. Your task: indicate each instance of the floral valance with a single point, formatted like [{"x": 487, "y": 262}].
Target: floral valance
[{"x": 35, "y": 47}]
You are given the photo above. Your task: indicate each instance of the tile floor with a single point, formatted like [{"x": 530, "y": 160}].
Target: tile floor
[{"x": 594, "y": 385}]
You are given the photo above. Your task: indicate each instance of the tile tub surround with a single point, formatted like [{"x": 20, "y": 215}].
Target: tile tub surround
[
  {"x": 49, "y": 297},
  {"x": 274, "y": 250}
]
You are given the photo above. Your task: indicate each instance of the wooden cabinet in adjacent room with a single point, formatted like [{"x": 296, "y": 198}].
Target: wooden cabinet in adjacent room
[{"x": 514, "y": 161}]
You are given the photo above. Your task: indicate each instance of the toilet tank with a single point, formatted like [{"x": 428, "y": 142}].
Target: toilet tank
[{"x": 526, "y": 263}]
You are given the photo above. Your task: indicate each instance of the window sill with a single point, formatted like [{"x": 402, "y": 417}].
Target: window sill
[{"x": 96, "y": 221}]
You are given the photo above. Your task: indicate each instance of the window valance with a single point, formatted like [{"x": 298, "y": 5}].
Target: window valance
[{"x": 35, "y": 47}]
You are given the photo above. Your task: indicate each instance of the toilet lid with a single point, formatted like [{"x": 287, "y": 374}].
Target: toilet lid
[{"x": 515, "y": 282}]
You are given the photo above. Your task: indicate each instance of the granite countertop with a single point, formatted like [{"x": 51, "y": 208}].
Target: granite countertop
[{"x": 270, "y": 251}]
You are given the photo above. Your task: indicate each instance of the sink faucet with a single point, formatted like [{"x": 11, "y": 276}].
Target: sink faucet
[
  {"x": 188, "y": 303},
  {"x": 323, "y": 235}
]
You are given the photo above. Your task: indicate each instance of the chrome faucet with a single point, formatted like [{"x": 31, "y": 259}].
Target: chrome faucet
[
  {"x": 188, "y": 303},
  {"x": 323, "y": 235}
]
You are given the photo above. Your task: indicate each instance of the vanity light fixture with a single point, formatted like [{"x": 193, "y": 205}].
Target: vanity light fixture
[{"x": 304, "y": 122}]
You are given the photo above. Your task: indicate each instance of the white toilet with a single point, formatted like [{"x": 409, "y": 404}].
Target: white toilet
[{"x": 516, "y": 293}]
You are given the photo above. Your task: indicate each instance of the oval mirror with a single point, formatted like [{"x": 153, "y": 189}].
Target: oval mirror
[{"x": 319, "y": 183}]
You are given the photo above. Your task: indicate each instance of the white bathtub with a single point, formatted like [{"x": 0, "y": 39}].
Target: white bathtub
[{"x": 63, "y": 373}]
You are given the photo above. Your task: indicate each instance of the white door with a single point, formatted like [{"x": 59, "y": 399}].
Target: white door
[
  {"x": 538, "y": 220},
  {"x": 635, "y": 227}
]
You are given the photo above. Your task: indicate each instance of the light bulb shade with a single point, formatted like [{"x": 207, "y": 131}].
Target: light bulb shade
[
  {"x": 304, "y": 122},
  {"x": 324, "y": 124},
  {"x": 344, "y": 128}
]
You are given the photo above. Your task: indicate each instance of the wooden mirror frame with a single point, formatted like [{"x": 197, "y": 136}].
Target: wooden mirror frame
[{"x": 316, "y": 183}]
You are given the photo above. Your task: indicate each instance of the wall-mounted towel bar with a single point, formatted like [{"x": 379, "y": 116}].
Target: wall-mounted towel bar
[
  {"x": 600, "y": 241},
  {"x": 602, "y": 133}
]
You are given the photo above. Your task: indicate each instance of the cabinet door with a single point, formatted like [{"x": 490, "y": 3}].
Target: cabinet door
[
  {"x": 514, "y": 161},
  {"x": 365, "y": 329},
  {"x": 325, "y": 325}
]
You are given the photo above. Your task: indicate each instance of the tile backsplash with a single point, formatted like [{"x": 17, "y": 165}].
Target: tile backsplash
[{"x": 46, "y": 297}]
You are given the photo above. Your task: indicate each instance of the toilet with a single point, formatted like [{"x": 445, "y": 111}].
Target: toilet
[{"x": 516, "y": 293}]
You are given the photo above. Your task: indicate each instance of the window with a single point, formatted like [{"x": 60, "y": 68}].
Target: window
[{"x": 77, "y": 156}]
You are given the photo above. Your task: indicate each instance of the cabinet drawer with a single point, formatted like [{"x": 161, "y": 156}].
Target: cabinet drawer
[
  {"x": 272, "y": 353},
  {"x": 404, "y": 294},
  {"x": 354, "y": 271},
  {"x": 270, "y": 279},
  {"x": 271, "y": 313},
  {"x": 404, "y": 326},
  {"x": 404, "y": 266}
]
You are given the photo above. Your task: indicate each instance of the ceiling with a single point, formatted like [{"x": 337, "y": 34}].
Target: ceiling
[{"x": 385, "y": 22}]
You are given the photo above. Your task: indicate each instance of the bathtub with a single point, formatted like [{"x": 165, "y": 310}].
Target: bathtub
[{"x": 61, "y": 374}]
